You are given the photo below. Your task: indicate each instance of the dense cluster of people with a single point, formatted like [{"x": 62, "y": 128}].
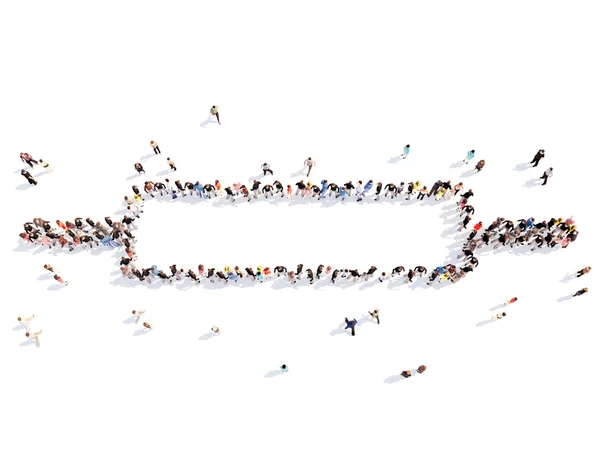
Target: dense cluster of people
[{"x": 119, "y": 233}]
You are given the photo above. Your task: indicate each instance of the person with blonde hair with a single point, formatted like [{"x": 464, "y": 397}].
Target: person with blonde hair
[{"x": 154, "y": 146}]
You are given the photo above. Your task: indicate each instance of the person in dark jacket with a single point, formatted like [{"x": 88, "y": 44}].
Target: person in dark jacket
[
  {"x": 28, "y": 177},
  {"x": 350, "y": 324},
  {"x": 537, "y": 158},
  {"x": 580, "y": 292}
]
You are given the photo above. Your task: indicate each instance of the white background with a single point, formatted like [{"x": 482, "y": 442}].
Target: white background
[{"x": 86, "y": 86}]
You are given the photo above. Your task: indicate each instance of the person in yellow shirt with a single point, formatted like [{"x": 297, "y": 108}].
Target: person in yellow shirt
[{"x": 214, "y": 111}]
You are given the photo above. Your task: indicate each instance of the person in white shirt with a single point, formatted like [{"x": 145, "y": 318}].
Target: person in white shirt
[
  {"x": 46, "y": 166},
  {"x": 547, "y": 174},
  {"x": 138, "y": 314},
  {"x": 34, "y": 336},
  {"x": 310, "y": 164},
  {"x": 26, "y": 320},
  {"x": 266, "y": 168}
]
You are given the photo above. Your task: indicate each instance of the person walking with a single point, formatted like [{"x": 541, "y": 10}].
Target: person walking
[
  {"x": 60, "y": 280},
  {"x": 583, "y": 271},
  {"x": 154, "y": 146},
  {"x": 511, "y": 301},
  {"x": 171, "y": 164},
  {"x": 147, "y": 325},
  {"x": 266, "y": 168},
  {"x": 26, "y": 320},
  {"x": 214, "y": 111},
  {"x": 284, "y": 368},
  {"x": 406, "y": 151},
  {"x": 499, "y": 316},
  {"x": 46, "y": 166},
  {"x": 138, "y": 314},
  {"x": 215, "y": 330},
  {"x": 406, "y": 373},
  {"x": 310, "y": 164},
  {"x": 547, "y": 174},
  {"x": 139, "y": 168},
  {"x": 28, "y": 159},
  {"x": 28, "y": 177},
  {"x": 469, "y": 157},
  {"x": 374, "y": 315},
  {"x": 350, "y": 324},
  {"x": 479, "y": 166},
  {"x": 580, "y": 292},
  {"x": 34, "y": 336},
  {"x": 421, "y": 369},
  {"x": 537, "y": 158}
]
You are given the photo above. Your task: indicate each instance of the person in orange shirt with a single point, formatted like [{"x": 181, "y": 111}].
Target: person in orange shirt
[
  {"x": 218, "y": 185},
  {"x": 478, "y": 226},
  {"x": 289, "y": 191},
  {"x": 512, "y": 300}
]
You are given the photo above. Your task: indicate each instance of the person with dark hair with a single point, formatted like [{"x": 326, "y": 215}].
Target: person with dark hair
[
  {"x": 470, "y": 156},
  {"x": 214, "y": 111},
  {"x": 139, "y": 168},
  {"x": 310, "y": 276},
  {"x": 280, "y": 270},
  {"x": 583, "y": 271},
  {"x": 171, "y": 164},
  {"x": 350, "y": 324},
  {"x": 284, "y": 368},
  {"x": 479, "y": 166},
  {"x": 422, "y": 369},
  {"x": 406, "y": 373},
  {"x": 374, "y": 315},
  {"x": 27, "y": 158},
  {"x": 397, "y": 271},
  {"x": 369, "y": 273},
  {"x": 499, "y": 316},
  {"x": 547, "y": 174},
  {"x": 310, "y": 164},
  {"x": 537, "y": 158},
  {"x": 511, "y": 301},
  {"x": 405, "y": 151},
  {"x": 580, "y": 292},
  {"x": 28, "y": 177},
  {"x": 266, "y": 168}
]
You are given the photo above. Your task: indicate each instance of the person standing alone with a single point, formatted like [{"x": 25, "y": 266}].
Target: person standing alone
[
  {"x": 214, "y": 111},
  {"x": 154, "y": 146},
  {"x": 310, "y": 164},
  {"x": 547, "y": 174}
]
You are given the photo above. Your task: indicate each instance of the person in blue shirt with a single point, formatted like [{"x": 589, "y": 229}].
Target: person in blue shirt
[
  {"x": 284, "y": 368},
  {"x": 324, "y": 186},
  {"x": 530, "y": 222},
  {"x": 199, "y": 189},
  {"x": 470, "y": 156},
  {"x": 406, "y": 151},
  {"x": 365, "y": 190},
  {"x": 350, "y": 324},
  {"x": 342, "y": 193}
]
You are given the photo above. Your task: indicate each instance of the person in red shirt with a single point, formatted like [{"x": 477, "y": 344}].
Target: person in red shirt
[
  {"x": 512, "y": 300},
  {"x": 478, "y": 226}
]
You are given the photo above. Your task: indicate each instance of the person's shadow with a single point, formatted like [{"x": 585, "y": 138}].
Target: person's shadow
[
  {"x": 297, "y": 173},
  {"x": 393, "y": 379},
  {"x": 206, "y": 121},
  {"x": 273, "y": 373},
  {"x": 147, "y": 156},
  {"x": 23, "y": 187},
  {"x": 207, "y": 336},
  {"x": 129, "y": 320},
  {"x": 468, "y": 173},
  {"x": 499, "y": 306},
  {"x": 564, "y": 298},
  {"x": 484, "y": 322},
  {"x": 141, "y": 331},
  {"x": 163, "y": 172},
  {"x": 456, "y": 164},
  {"x": 522, "y": 166},
  {"x": 531, "y": 183},
  {"x": 394, "y": 159},
  {"x": 568, "y": 277}
]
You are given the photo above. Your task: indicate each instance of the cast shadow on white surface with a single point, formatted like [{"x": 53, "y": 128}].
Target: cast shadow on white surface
[
  {"x": 163, "y": 172},
  {"x": 207, "y": 336},
  {"x": 499, "y": 306},
  {"x": 273, "y": 373},
  {"x": 468, "y": 173},
  {"x": 134, "y": 176},
  {"x": 129, "y": 320},
  {"x": 394, "y": 159},
  {"x": 251, "y": 178},
  {"x": 297, "y": 173},
  {"x": 564, "y": 298},
  {"x": 147, "y": 156},
  {"x": 393, "y": 379},
  {"x": 484, "y": 322},
  {"x": 27, "y": 342},
  {"x": 207, "y": 121},
  {"x": 20, "y": 327},
  {"x": 522, "y": 166},
  {"x": 56, "y": 287},
  {"x": 141, "y": 331},
  {"x": 44, "y": 276},
  {"x": 532, "y": 183},
  {"x": 24, "y": 187},
  {"x": 456, "y": 165},
  {"x": 568, "y": 277}
]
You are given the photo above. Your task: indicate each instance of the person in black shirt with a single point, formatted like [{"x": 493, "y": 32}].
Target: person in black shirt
[
  {"x": 320, "y": 271},
  {"x": 278, "y": 187},
  {"x": 397, "y": 271},
  {"x": 267, "y": 189},
  {"x": 280, "y": 270},
  {"x": 349, "y": 186},
  {"x": 310, "y": 275},
  {"x": 300, "y": 187},
  {"x": 378, "y": 191}
]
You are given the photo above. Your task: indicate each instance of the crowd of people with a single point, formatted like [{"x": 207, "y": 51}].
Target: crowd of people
[{"x": 118, "y": 233}]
